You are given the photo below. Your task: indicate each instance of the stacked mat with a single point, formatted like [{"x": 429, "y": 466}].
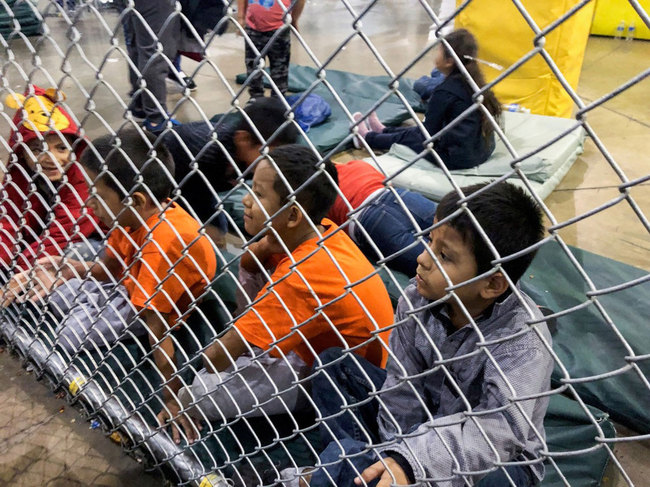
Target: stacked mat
[
  {"x": 544, "y": 169},
  {"x": 22, "y": 12}
]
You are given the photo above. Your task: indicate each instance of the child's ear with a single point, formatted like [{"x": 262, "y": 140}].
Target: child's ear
[
  {"x": 243, "y": 138},
  {"x": 139, "y": 199},
  {"x": 294, "y": 216},
  {"x": 495, "y": 286}
]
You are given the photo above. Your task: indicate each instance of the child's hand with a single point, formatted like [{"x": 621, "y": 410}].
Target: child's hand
[
  {"x": 170, "y": 414},
  {"x": 385, "y": 469},
  {"x": 20, "y": 287}
]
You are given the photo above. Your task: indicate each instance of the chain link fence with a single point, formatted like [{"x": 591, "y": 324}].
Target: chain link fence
[{"x": 210, "y": 318}]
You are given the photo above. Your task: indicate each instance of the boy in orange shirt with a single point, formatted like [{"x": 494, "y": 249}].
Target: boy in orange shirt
[
  {"x": 154, "y": 252},
  {"x": 316, "y": 295}
]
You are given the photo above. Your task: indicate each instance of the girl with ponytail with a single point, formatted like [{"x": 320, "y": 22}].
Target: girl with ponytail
[{"x": 467, "y": 143}]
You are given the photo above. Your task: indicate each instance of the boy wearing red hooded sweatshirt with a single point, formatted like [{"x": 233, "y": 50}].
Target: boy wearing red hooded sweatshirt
[{"x": 42, "y": 207}]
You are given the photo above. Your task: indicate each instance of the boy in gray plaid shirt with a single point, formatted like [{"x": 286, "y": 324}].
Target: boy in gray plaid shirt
[{"x": 461, "y": 400}]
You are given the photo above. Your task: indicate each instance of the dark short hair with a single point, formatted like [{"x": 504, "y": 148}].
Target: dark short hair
[
  {"x": 298, "y": 164},
  {"x": 268, "y": 115},
  {"x": 131, "y": 161},
  {"x": 510, "y": 218}
]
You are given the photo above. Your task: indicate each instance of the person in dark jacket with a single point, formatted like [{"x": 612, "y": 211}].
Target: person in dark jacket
[
  {"x": 467, "y": 141},
  {"x": 222, "y": 152}
]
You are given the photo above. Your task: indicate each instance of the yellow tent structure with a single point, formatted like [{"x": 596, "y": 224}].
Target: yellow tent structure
[{"x": 504, "y": 37}]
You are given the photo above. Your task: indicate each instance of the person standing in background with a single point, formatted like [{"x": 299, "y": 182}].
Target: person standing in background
[
  {"x": 153, "y": 25},
  {"x": 263, "y": 21}
]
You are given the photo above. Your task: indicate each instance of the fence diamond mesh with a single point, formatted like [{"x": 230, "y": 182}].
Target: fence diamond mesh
[{"x": 238, "y": 310}]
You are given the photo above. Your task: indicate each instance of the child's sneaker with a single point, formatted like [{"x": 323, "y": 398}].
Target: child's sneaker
[
  {"x": 182, "y": 81},
  {"x": 156, "y": 128}
]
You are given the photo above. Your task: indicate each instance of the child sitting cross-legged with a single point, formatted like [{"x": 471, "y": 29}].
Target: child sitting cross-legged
[
  {"x": 461, "y": 401},
  {"x": 467, "y": 137},
  {"x": 315, "y": 294},
  {"x": 154, "y": 251}
]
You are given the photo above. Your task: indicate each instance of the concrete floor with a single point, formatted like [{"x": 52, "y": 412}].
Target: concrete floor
[{"x": 41, "y": 446}]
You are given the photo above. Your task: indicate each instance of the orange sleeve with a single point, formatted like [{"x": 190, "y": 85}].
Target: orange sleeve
[
  {"x": 149, "y": 291},
  {"x": 285, "y": 306},
  {"x": 266, "y": 322}
]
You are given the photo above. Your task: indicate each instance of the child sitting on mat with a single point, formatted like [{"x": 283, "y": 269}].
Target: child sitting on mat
[
  {"x": 465, "y": 390},
  {"x": 314, "y": 293},
  {"x": 471, "y": 140},
  {"x": 154, "y": 250},
  {"x": 41, "y": 208}
]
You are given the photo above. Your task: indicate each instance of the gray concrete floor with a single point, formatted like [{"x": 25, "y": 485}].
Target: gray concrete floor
[
  {"x": 41, "y": 446},
  {"x": 46, "y": 442}
]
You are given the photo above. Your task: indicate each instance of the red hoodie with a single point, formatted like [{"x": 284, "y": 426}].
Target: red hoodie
[{"x": 33, "y": 221}]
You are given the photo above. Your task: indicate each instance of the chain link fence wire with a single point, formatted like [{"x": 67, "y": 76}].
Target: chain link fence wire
[{"x": 187, "y": 342}]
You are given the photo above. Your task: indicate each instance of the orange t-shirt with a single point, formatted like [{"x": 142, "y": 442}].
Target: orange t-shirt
[
  {"x": 308, "y": 305},
  {"x": 172, "y": 264}
]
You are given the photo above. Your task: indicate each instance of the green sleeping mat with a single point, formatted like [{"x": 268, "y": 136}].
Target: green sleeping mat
[
  {"x": 357, "y": 92},
  {"x": 569, "y": 428},
  {"x": 29, "y": 23},
  {"x": 583, "y": 340},
  {"x": 524, "y": 132}
]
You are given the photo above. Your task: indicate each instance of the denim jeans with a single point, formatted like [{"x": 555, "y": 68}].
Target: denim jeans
[
  {"x": 358, "y": 458},
  {"x": 353, "y": 379},
  {"x": 350, "y": 378},
  {"x": 391, "y": 229}
]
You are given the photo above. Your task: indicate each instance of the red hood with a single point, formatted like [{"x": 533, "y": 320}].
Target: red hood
[{"x": 39, "y": 112}]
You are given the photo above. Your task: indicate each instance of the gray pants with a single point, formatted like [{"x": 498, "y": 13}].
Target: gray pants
[
  {"x": 93, "y": 314},
  {"x": 141, "y": 46},
  {"x": 278, "y": 51}
]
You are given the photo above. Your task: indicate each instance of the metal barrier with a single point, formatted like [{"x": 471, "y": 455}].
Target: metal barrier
[{"x": 208, "y": 366}]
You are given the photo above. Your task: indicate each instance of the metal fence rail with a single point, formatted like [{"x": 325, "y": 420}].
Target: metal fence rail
[{"x": 126, "y": 359}]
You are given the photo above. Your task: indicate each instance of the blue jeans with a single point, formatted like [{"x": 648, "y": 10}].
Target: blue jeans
[
  {"x": 350, "y": 378},
  {"x": 391, "y": 229},
  {"x": 353, "y": 379}
]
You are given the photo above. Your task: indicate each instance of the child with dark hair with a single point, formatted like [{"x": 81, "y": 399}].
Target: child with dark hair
[
  {"x": 462, "y": 399},
  {"x": 386, "y": 219},
  {"x": 222, "y": 152},
  {"x": 154, "y": 251},
  {"x": 470, "y": 141},
  {"x": 315, "y": 294},
  {"x": 44, "y": 189}
]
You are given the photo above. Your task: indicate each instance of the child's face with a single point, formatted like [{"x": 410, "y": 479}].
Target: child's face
[
  {"x": 440, "y": 61},
  {"x": 456, "y": 257},
  {"x": 51, "y": 163},
  {"x": 263, "y": 181},
  {"x": 108, "y": 206}
]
